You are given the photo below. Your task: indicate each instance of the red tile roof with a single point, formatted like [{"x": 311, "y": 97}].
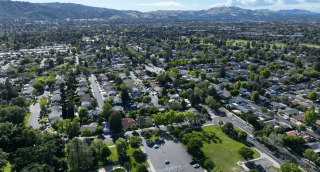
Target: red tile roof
[
  {"x": 127, "y": 122},
  {"x": 292, "y": 133}
]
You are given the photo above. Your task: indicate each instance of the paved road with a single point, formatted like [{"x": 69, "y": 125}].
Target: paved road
[
  {"x": 42, "y": 62},
  {"x": 137, "y": 81},
  {"x": 152, "y": 68},
  {"x": 35, "y": 112},
  {"x": 96, "y": 91},
  {"x": 5, "y": 67}
]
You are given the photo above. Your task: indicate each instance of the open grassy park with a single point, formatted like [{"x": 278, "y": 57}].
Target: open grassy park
[{"x": 224, "y": 154}]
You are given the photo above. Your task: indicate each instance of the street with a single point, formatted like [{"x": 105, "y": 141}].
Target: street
[
  {"x": 139, "y": 84},
  {"x": 96, "y": 91},
  {"x": 35, "y": 112}
]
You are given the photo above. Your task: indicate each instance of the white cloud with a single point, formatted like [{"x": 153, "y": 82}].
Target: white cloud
[
  {"x": 266, "y": 3},
  {"x": 195, "y": 5},
  {"x": 165, "y": 4}
]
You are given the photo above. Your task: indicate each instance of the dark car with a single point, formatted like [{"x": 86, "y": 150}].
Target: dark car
[{"x": 193, "y": 162}]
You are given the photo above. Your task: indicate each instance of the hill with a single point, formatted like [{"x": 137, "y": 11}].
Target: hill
[{"x": 16, "y": 10}]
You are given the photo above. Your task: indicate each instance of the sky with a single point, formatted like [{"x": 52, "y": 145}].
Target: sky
[{"x": 154, "y": 5}]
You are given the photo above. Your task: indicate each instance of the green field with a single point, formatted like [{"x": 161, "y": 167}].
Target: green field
[
  {"x": 224, "y": 154},
  {"x": 114, "y": 154},
  {"x": 26, "y": 119}
]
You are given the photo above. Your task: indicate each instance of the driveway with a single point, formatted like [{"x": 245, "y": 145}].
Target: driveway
[{"x": 172, "y": 151}]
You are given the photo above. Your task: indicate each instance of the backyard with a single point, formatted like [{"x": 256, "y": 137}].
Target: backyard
[{"x": 224, "y": 154}]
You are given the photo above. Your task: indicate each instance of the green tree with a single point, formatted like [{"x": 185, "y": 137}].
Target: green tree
[
  {"x": 252, "y": 75},
  {"x": 115, "y": 122},
  {"x": 203, "y": 76},
  {"x": 86, "y": 133},
  {"x": 121, "y": 146},
  {"x": 237, "y": 85},
  {"x": 39, "y": 84},
  {"x": 124, "y": 95},
  {"x": 234, "y": 92},
  {"x": 265, "y": 73},
  {"x": 79, "y": 155},
  {"x": 312, "y": 96},
  {"x": 244, "y": 84},
  {"x": 208, "y": 164},
  {"x": 100, "y": 120},
  {"x": 128, "y": 166},
  {"x": 207, "y": 83},
  {"x": 141, "y": 168},
  {"x": 310, "y": 117},
  {"x": 134, "y": 127},
  {"x": 301, "y": 127},
  {"x": 105, "y": 153},
  {"x": 242, "y": 135},
  {"x": 107, "y": 111},
  {"x": 246, "y": 153},
  {"x": 147, "y": 135},
  {"x": 310, "y": 155},
  {"x": 20, "y": 101},
  {"x": 289, "y": 167},
  {"x": 99, "y": 130},
  {"x": 228, "y": 127},
  {"x": 222, "y": 71},
  {"x": 93, "y": 103},
  {"x": 127, "y": 72},
  {"x": 3, "y": 158},
  {"x": 275, "y": 139},
  {"x": 220, "y": 123},
  {"x": 157, "y": 119},
  {"x": 254, "y": 96},
  {"x": 135, "y": 142},
  {"x": 194, "y": 145},
  {"x": 83, "y": 112}
]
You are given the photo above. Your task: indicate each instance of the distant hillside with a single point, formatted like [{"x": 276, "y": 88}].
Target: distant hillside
[{"x": 16, "y": 10}]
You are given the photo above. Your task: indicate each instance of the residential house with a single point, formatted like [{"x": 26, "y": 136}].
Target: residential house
[
  {"x": 106, "y": 127},
  {"x": 128, "y": 122},
  {"x": 92, "y": 127},
  {"x": 289, "y": 111},
  {"x": 274, "y": 123}
]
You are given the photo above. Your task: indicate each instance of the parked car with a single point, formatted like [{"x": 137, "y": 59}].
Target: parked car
[
  {"x": 167, "y": 162},
  {"x": 156, "y": 146},
  {"x": 192, "y": 162},
  {"x": 196, "y": 165}
]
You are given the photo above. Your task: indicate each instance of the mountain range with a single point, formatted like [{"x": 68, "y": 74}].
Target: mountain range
[{"x": 19, "y": 11}]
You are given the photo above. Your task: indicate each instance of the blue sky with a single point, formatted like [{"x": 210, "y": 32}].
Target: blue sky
[{"x": 153, "y": 5}]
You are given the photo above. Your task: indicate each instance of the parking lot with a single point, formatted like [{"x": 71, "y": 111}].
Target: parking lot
[
  {"x": 260, "y": 165},
  {"x": 172, "y": 151}
]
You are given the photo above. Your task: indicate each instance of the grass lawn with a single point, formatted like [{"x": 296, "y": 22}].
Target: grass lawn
[
  {"x": 31, "y": 102},
  {"x": 26, "y": 119},
  {"x": 114, "y": 154},
  {"x": 7, "y": 168},
  {"x": 224, "y": 154},
  {"x": 119, "y": 170},
  {"x": 110, "y": 144},
  {"x": 154, "y": 138}
]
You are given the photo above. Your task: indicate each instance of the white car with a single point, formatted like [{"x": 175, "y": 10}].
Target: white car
[
  {"x": 196, "y": 165},
  {"x": 156, "y": 146}
]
